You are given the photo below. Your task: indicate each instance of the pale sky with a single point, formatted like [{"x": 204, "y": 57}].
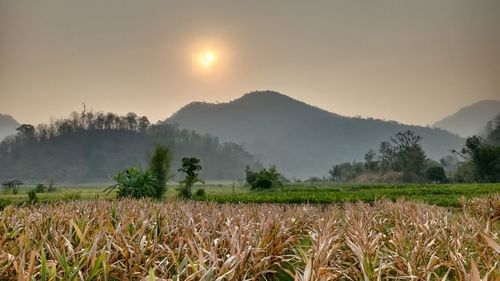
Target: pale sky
[{"x": 410, "y": 61}]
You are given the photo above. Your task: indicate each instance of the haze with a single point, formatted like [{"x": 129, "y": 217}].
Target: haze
[{"x": 414, "y": 62}]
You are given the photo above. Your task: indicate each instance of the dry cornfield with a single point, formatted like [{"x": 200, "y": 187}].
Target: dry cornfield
[{"x": 177, "y": 240}]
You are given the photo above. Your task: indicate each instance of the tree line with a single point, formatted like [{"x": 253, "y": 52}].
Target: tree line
[
  {"x": 402, "y": 158},
  {"x": 92, "y": 147}
]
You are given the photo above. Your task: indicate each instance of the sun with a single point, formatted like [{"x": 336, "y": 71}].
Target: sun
[{"x": 207, "y": 59}]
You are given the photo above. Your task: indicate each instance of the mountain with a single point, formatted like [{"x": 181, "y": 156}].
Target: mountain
[
  {"x": 95, "y": 147},
  {"x": 471, "y": 119},
  {"x": 8, "y": 126},
  {"x": 302, "y": 140}
]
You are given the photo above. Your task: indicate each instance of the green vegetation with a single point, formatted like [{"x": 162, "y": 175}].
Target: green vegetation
[
  {"x": 191, "y": 167},
  {"x": 159, "y": 166},
  {"x": 263, "y": 179},
  {"x": 135, "y": 183},
  {"x": 438, "y": 194},
  {"x": 403, "y": 160},
  {"x": 482, "y": 160}
]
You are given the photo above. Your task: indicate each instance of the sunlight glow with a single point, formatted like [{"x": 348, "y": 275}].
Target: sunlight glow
[{"x": 207, "y": 59}]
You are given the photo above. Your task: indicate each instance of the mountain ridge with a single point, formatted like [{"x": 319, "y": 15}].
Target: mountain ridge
[
  {"x": 302, "y": 139},
  {"x": 471, "y": 119}
]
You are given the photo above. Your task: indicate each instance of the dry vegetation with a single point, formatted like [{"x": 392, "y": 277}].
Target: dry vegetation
[{"x": 134, "y": 240}]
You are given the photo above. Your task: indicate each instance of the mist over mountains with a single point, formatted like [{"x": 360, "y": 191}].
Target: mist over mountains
[
  {"x": 8, "y": 126},
  {"x": 470, "y": 120},
  {"x": 302, "y": 140}
]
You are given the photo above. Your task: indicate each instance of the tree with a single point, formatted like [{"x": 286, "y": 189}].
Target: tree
[
  {"x": 409, "y": 157},
  {"x": 191, "y": 167},
  {"x": 131, "y": 119},
  {"x": 386, "y": 156},
  {"x": 335, "y": 173},
  {"x": 264, "y": 179},
  {"x": 159, "y": 166},
  {"x": 346, "y": 171},
  {"x": 370, "y": 163},
  {"x": 143, "y": 124},
  {"x": 484, "y": 159},
  {"x": 26, "y": 132},
  {"x": 435, "y": 174}
]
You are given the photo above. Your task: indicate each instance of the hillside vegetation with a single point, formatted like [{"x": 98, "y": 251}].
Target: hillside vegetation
[
  {"x": 93, "y": 147},
  {"x": 300, "y": 139}
]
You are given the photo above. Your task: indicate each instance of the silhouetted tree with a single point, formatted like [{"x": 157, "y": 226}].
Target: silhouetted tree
[
  {"x": 26, "y": 132},
  {"x": 191, "y": 167},
  {"x": 143, "y": 124},
  {"x": 386, "y": 156},
  {"x": 484, "y": 159},
  {"x": 370, "y": 163},
  {"x": 409, "y": 157},
  {"x": 131, "y": 119},
  {"x": 435, "y": 174}
]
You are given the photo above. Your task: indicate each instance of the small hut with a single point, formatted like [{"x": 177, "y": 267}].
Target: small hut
[{"x": 12, "y": 183}]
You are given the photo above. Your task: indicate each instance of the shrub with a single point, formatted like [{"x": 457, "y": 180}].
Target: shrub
[
  {"x": 4, "y": 203},
  {"x": 134, "y": 183},
  {"x": 200, "y": 193},
  {"x": 40, "y": 188},
  {"x": 435, "y": 174},
  {"x": 32, "y": 198},
  {"x": 264, "y": 179}
]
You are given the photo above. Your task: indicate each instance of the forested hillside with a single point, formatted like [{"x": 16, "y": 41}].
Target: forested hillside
[{"x": 92, "y": 147}]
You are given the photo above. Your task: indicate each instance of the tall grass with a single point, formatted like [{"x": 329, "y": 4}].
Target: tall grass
[{"x": 177, "y": 240}]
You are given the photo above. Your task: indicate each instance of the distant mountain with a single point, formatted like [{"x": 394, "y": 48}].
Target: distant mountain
[
  {"x": 302, "y": 140},
  {"x": 8, "y": 126},
  {"x": 471, "y": 119}
]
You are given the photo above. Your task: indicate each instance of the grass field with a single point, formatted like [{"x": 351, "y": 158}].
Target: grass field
[{"x": 436, "y": 194}]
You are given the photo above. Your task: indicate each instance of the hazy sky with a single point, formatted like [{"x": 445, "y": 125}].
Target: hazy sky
[{"x": 410, "y": 61}]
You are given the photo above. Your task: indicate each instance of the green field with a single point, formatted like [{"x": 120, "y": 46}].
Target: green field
[{"x": 436, "y": 194}]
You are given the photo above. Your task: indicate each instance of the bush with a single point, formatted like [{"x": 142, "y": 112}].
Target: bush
[
  {"x": 32, "y": 198},
  {"x": 200, "y": 193},
  {"x": 4, "y": 203},
  {"x": 133, "y": 183},
  {"x": 40, "y": 188},
  {"x": 264, "y": 179},
  {"x": 436, "y": 174}
]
